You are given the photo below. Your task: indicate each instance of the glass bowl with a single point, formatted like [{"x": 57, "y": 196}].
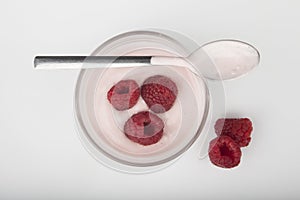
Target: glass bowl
[{"x": 101, "y": 126}]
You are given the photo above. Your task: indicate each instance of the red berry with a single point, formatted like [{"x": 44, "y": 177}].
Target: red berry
[
  {"x": 124, "y": 94},
  {"x": 144, "y": 128},
  {"x": 159, "y": 93},
  {"x": 224, "y": 152},
  {"x": 238, "y": 129}
]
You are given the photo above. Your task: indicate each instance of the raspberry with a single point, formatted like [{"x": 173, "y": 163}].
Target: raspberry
[
  {"x": 144, "y": 128},
  {"x": 238, "y": 129},
  {"x": 224, "y": 152},
  {"x": 159, "y": 93},
  {"x": 124, "y": 94}
]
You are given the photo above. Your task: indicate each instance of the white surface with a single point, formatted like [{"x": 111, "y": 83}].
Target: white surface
[{"x": 41, "y": 155}]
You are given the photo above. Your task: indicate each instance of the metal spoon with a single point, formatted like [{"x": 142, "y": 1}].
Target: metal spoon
[{"x": 218, "y": 60}]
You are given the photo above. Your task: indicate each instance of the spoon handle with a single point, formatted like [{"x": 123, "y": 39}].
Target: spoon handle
[{"x": 76, "y": 62}]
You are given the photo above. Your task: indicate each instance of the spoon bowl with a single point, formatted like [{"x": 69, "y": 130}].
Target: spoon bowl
[{"x": 231, "y": 58}]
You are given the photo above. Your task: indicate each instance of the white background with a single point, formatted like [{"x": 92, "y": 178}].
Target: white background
[{"x": 41, "y": 156}]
